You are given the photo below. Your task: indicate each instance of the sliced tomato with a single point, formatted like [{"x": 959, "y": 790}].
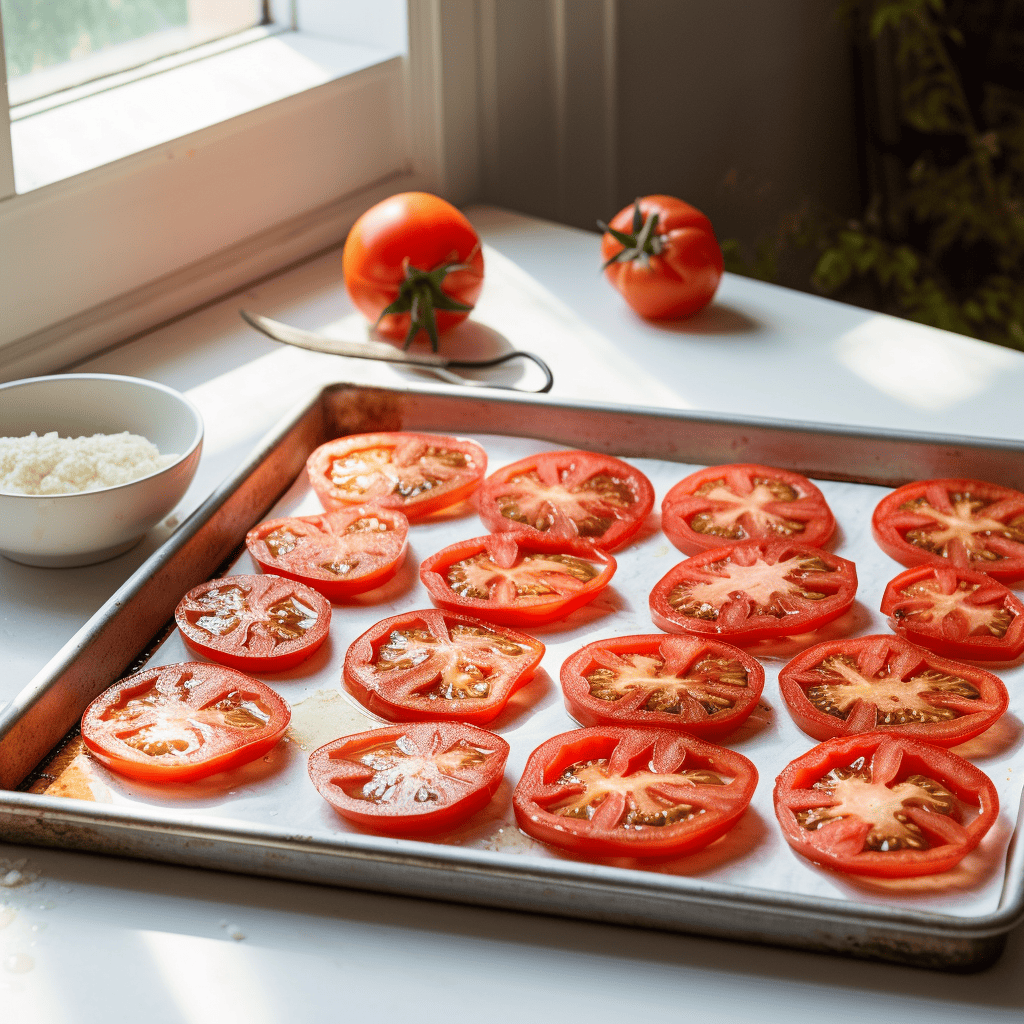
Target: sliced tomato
[
  {"x": 420, "y": 777},
  {"x": 414, "y": 473},
  {"x": 966, "y": 523},
  {"x": 886, "y": 684},
  {"x": 956, "y": 612},
  {"x": 882, "y": 805},
  {"x": 517, "y": 579},
  {"x": 724, "y": 505},
  {"x": 608, "y": 791},
  {"x": 256, "y": 623},
  {"x": 572, "y": 494},
  {"x": 177, "y": 723},
  {"x": 338, "y": 553},
  {"x": 754, "y": 591},
  {"x": 703, "y": 686},
  {"x": 429, "y": 665}
]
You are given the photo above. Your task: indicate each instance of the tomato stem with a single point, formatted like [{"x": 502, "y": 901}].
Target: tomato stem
[
  {"x": 643, "y": 243},
  {"x": 420, "y": 295}
]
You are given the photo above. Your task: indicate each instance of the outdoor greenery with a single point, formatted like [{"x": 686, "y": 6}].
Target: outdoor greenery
[
  {"x": 941, "y": 240},
  {"x": 41, "y": 33}
]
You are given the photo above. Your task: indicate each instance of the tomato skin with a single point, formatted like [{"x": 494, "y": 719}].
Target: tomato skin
[
  {"x": 251, "y": 646},
  {"x": 428, "y": 232},
  {"x": 400, "y": 816},
  {"x": 395, "y": 693},
  {"x": 682, "y": 504},
  {"x": 738, "y": 619},
  {"x": 680, "y": 655},
  {"x": 628, "y": 751},
  {"x": 195, "y": 687},
  {"x": 505, "y": 550},
  {"x": 890, "y": 758},
  {"x": 896, "y": 658},
  {"x": 301, "y": 565},
  {"x": 571, "y": 470},
  {"x": 679, "y": 281},
  {"x": 912, "y": 614},
  {"x": 1000, "y": 557}
]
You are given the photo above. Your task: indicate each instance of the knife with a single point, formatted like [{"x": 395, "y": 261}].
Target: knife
[{"x": 381, "y": 350}]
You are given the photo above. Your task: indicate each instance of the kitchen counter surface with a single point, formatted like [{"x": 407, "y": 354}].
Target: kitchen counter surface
[{"x": 86, "y": 939}]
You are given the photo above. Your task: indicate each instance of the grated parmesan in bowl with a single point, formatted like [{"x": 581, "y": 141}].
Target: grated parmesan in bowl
[{"x": 51, "y": 464}]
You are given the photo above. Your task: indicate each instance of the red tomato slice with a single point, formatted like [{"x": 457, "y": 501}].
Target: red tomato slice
[
  {"x": 177, "y": 723},
  {"x": 884, "y": 805},
  {"x": 703, "y": 686},
  {"x": 419, "y": 777},
  {"x": 414, "y": 473},
  {"x": 724, "y": 505},
  {"x": 516, "y": 579},
  {"x": 956, "y": 612},
  {"x": 429, "y": 665},
  {"x": 338, "y": 553},
  {"x": 754, "y": 591},
  {"x": 966, "y": 523},
  {"x": 597, "y": 498},
  {"x": 607, "y": 791},
  {"x": 257, "y": 623},
  {"x": 885, "y": 684}
]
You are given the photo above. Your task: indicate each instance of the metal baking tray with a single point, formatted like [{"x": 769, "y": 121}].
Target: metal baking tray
[{"x": 922, "y": 933}]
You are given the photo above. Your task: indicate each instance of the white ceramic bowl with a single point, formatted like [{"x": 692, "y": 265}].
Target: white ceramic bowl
[{"x": 80, "y": 529}]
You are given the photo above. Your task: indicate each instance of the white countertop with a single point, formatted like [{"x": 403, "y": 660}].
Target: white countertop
[{"x": 85, "y": 934}]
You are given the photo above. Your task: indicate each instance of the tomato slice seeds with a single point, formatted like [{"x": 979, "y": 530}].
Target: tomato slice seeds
[
  {"x": 415, "y": 473},
  {"x": 572, "y": 494},
  {"x": 724, "y": 505},
  {"x": 882, "y": 805},
  {"x": 258, "y": 623},
  {"x": 704, "y": 686},
  {"x": 177, "y": 723},
  {"x": 434, "y": 665},
  {"x": 338, "y": 553},
  {"x": 422, "y": 777},
  {"x": 609, "y": 791},
  {"x": 966, "y": 523},
  {"x": 754, "y": 591}
]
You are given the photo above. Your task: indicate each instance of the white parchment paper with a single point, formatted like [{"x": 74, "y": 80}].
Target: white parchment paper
[{"x": 276, "y": 791}]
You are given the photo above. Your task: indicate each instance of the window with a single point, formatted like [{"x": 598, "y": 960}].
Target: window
[{"x": 128, "y": 199}]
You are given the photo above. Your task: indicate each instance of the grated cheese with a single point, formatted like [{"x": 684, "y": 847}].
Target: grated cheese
[{"x": 69, "y": 465}]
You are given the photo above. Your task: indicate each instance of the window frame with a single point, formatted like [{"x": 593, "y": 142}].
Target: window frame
[{"x": 92, "y": 260}]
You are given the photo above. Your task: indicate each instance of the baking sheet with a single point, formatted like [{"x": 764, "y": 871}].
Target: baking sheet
[{"x": 276, "y": 791}]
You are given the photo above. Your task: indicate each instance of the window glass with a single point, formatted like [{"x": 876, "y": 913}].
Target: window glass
[{"x": 56, "y": 44}]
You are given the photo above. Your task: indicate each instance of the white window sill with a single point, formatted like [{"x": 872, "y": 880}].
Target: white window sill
[{"x": 98, "y": 128}]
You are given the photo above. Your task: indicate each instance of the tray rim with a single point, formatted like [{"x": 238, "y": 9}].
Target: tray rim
[{"x": 1008, "y": 914}]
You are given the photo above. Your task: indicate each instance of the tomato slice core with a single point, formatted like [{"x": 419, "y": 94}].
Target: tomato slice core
[
  {"x": 572, "y": 494},
  {"x": 516, "y": 578},
  {"x": 415, "y": 473},
  {"x": 704, "y": 686},
  {"x": 416, "y": 778},
  {"x": 969, "y": 524},
  {"x": 611, "y": 791},
  {"x": 260, "y": 623},
  {"x": 754, "y": 591},
  {"x": 956, "y": 612},
  {"x": 182, "y": 722},
  {"x": 885, "y": 684},
  {"x": 734, "y": 504},
  {"x": 885, "y": 806},
  {"x": 434, "y": 665},
  {"x": 339, "y": 553}
]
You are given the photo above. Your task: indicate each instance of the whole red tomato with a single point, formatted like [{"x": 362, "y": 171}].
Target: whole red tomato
[
  {"x": 413, "y": 263},
  {"x": 661, "y": 254}
]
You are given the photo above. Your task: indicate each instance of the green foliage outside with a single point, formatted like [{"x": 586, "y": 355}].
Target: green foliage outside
[
  {"x": 41, "y": 33},
  {"x": 942, "y": 242}
]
